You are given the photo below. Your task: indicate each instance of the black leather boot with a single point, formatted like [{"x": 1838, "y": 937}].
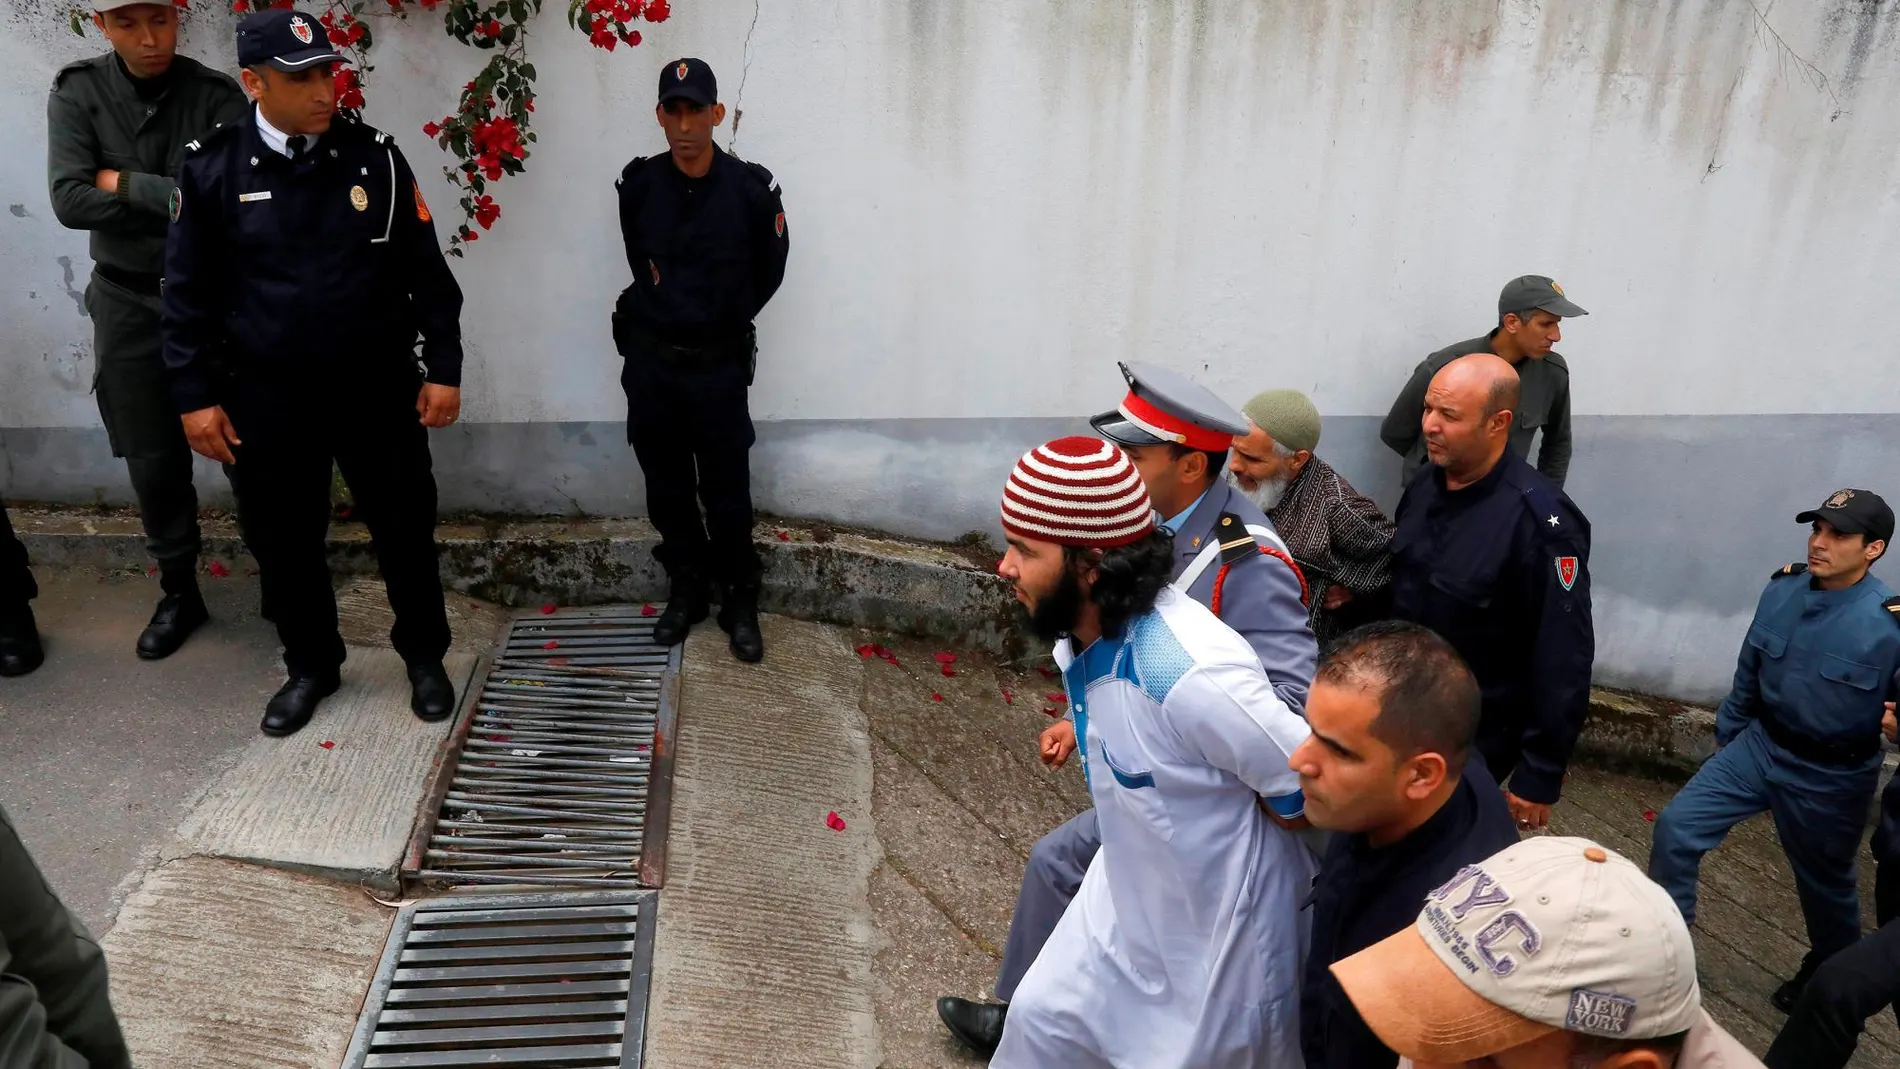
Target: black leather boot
[
  {"x": 1789, "y": 993},
  {"x": 739, "y": 616},
  {"x": 686, "y": 607},
  {"x": 20, "y": 650},
  {"x": 431, "y": 694},
  {"x": 181, "y": 612},
  {"x": 295, "y": 702}
]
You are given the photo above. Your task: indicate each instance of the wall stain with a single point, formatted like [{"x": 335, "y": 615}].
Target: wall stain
[
  {"x": 66, "y": 280},
  {"x": 18, "y": 210}
]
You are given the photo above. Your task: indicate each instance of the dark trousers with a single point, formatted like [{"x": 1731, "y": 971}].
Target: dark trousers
[
  {"x": 691, "y": 430},
  {"x": 364, "y": 422},
  {"x": 135, "y": 402},
  {"x": 16, "y": 582},
  {"x": 1851, "y": 987}
]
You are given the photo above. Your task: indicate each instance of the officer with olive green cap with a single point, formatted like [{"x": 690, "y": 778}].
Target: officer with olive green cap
[
  {"x": 1530, "y": 313},
  {"x": 117, "y": 126},
  {"x": 1337, "y": 535},
  {"x": 55, "y": 1011}
]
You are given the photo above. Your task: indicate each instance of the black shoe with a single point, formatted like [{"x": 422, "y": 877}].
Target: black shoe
[
  {"x": 1789, "y": 993},
  {"x": 294, "y": 703},
  {"x": 431, "y": 695},
  {"x": 686, "y": 607},
  {"x": 978, "y": 1025},
  {"x": 177, "y": 617},
  {"x": 20, "y": 650},
  {"x": 739, "y": 616}
]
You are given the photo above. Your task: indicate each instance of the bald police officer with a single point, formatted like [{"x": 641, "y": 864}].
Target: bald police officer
[
  {"x": 301, "y": 269},
  {"x": 116, "y": 129},
  {"x": 1800, "y": 730},
  {"x": 1228, "y": 557},
  {"x": 1531, "y": 310},
  {"x": 705, "y": 237}
]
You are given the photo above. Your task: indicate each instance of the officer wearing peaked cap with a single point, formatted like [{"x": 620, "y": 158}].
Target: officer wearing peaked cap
[
  {"x": 300, "y": 271},
  {"x": 1800, "y": 730},
  {"x": 1228, "y": 557}
]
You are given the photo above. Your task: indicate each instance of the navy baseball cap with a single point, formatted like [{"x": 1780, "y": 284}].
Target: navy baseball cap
[
  {"x": 287, "y": 40},
  {"x": 689, "y": 79},
  {"x": 1852, "y": 511}
]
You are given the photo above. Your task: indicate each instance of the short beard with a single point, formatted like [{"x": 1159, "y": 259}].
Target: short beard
[
  {"x": 1267, "y": 495},
  {"x": 1056, "y": 614}
]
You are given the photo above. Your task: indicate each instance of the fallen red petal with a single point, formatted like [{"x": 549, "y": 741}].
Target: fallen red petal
[
  {"x": 1050, "y": 710},
  {"x": 327, "y": 744},
  {"x": 153, "y": 570},
  {"x": 866, "y": 650},
  {"x": 834, "y": 821},
  {"x": 1047, "y": 672},
  {"x": 548, "y": 609},
  {"x": 1056, "y": 696},
  {"x": 949, "y": 671},
  {"x": 785, "y": 536},
  {"x": 946, "y": 658},
  {"x": 218, "y": 569},
  {"x": 935, "y": 697},
  {"x": 1649, "y": 815},
  {"x": 1008, "y": 698},
  {"x": 549, "y": 644},
  {"x": 648, "y": 610}
]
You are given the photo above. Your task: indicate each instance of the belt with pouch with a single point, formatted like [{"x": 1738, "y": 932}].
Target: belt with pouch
[
  {"x": 149, "y": 283},
  {"x": 1842, "y": 752}
]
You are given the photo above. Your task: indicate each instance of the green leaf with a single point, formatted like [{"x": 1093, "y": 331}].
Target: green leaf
[
  {"x": 73, "y": 18},
  {"x": 527, "y": 71}
]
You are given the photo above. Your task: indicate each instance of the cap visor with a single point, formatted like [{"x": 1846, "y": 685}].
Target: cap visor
[
  {"x": 693, "y": 95},
  {"x": 1419, "y": 1008},
  {"x": 1563, "y": 307},
  {"x": 1843, "y": 524},
  {"x": 298, "y": 61},
  {"x": 1115, "y": 427}
]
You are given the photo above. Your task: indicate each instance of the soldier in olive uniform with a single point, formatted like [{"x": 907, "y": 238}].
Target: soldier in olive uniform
[
  {"x": 54, "y": 1007},
  {"x": 117, "y": 127}
]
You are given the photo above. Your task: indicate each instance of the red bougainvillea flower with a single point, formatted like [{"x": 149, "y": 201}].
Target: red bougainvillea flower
[
  {"x": 218, "y": 569},
  {"x": 548, "y": 609},
  {"x": 649, "y": 610},
  {"x": 946, "y": 658},
  {"x": 550, "y": 644},
  {"x": 601, "y": 34},
  {"x": 834, "y": 821},
  {"x": 633, "y": 41},
  {"x": 486, "y": 210},
  {"x": 349, "y": 88},
  {"x": 430, "y": 129},
  {"x": 658, "y": 10},
  {"x": 949, "y": 671}
]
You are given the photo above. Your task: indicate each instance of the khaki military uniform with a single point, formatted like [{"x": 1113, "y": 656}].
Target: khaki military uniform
[
  {"x": 100, "y": 118},
  {"x": 55, "y": 1012}
]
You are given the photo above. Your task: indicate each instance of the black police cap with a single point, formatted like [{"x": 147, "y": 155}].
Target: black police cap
[
  {"x": 689, "y": 79},
  {"x": 285, "y": 39}
]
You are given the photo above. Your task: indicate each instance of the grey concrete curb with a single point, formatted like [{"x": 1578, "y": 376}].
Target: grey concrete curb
[{"x": 812, "y": 572}]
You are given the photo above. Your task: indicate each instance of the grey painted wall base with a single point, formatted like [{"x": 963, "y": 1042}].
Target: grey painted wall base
[
  {"x": 813, "y": 573},
  {"x": 1689, "y": 514}
]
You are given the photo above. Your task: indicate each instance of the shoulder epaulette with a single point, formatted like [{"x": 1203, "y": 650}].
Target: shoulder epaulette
[
  {"x": 78, "y": 64},
  {"x": 758, "y": 171},
  {"x": 1236, "y": 542},
  {"x": 1546, "y": 505},
  {"x": 1892, "y": 605},
  {"x": 1787, "y": 570},
  {"x": 211, "y": 137}
]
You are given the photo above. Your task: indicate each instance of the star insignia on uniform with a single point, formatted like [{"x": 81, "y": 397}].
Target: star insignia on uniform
[{"x": 1554, "y": 521}]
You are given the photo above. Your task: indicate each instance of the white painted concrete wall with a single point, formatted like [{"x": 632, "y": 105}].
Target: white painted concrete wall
[{"x": 992, "y": 202}]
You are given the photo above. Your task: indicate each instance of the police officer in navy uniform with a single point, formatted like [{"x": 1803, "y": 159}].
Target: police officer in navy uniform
[
  {"x": 301, "y": 267},
  {"x": 1491, "y": 554},
  {"x": 1228, "y": 557},
  {"x": 705, "y": 236},
  {"x": 1800, "y": 730}
]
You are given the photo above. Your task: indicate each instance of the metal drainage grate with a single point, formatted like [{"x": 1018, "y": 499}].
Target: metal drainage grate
[
  {"x": 560, "y": 775},
  {"x": 539, "y": 980}
]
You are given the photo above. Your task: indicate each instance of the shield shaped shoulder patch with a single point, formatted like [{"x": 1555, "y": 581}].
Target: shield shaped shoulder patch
[{"x": 1567, "y": 571}]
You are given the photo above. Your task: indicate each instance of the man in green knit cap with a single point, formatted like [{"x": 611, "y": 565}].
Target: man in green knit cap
[{"x": 1337, "y": 534}]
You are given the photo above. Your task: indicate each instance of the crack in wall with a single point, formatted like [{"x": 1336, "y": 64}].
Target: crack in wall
[{"x": 738, "y": 100}]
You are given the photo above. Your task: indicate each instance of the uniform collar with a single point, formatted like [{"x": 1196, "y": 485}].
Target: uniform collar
[
  {"x": 1173, "y": 523},
  {"x": 1482, "y": 486},
  {"x": 1868, "y": 586},
  {"x": 274, "y": 139},
  {"x": 1428, "y": 839}
]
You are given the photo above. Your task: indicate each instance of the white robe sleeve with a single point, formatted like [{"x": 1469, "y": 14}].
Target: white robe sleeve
[{"x": 1231, "y": 717}]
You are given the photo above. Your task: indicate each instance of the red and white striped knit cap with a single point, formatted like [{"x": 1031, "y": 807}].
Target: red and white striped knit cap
[{"x": 1077, "y": 492}]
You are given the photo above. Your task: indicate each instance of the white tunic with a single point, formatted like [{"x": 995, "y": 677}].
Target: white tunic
[{"x": 1183, "y": 946}]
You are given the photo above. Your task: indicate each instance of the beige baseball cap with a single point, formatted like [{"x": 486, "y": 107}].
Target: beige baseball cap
[{"x": 1549, "y": 935}]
